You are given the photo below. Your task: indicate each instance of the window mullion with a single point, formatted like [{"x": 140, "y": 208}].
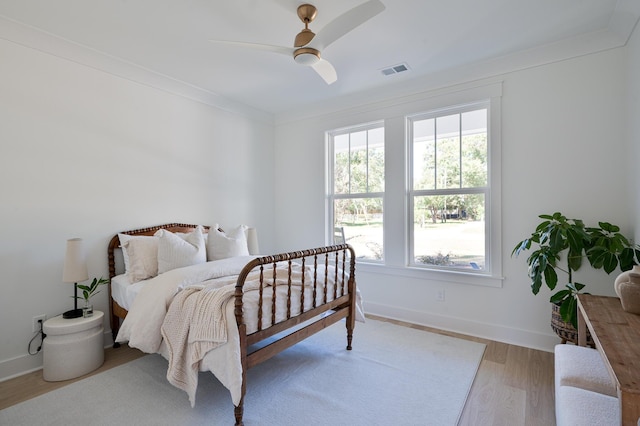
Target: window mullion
[{"x": 460, "y": 149}]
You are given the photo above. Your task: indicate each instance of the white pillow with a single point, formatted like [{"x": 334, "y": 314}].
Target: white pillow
[
  {"x": 176, "y": 251},
  {"x": 143, "y": 258},
  {"x": 223, "y": 245},
  {"x": 129, "y": 261}
]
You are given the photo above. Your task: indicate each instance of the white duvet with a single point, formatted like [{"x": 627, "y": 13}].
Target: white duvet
[{"x": 142, "y": 327}]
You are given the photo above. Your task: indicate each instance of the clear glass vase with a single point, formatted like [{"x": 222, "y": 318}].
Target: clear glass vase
[{"x": 87, "y": 310}]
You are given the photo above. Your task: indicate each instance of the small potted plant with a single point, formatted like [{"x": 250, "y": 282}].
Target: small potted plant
[
  {"x": 87, "y": 292},
  {"x": 561, "y": 244}
]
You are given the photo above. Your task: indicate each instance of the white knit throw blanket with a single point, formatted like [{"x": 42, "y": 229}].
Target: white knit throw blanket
[{"x": 194, "y": 325}]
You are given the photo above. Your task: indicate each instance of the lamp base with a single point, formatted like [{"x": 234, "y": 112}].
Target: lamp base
[{"x": 73, "y": 313}]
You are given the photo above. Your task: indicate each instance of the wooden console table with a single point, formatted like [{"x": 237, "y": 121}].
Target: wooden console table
[{"x": 616, "y": 334}]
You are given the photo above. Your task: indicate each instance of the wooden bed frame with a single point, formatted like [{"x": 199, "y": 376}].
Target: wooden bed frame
[{"x": 342, "y": 305}]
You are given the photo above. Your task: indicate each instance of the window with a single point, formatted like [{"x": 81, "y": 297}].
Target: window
[
  {"x": 449, "y": 189},
  {"x": 418, "y": 192},
  {"x": 356, "y": 188}
]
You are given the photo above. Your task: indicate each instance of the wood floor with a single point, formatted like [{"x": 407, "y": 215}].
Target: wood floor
[{"x": 514, "y": 385}]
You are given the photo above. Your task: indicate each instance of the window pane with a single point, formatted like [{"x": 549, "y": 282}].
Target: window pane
[
  {"x": 424, "y": 154},
  {"x": 448, "y": 152},
  {"x": 449, "y": 231},
  {"x": 361, "y": 219},
  {"x": 376, "y": 160},
  {"x": 359, "y": 162},
  {"x": 341, "y": 164},
  {"x": 474, "y": 149}
]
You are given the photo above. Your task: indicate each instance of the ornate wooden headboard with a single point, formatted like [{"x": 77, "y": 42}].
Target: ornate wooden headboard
[{"x": 114, "y": 244}]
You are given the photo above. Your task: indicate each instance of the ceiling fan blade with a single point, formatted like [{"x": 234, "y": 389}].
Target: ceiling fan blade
[
  {"x": 257, "y": 46},
  {"x": 345, "y": 23},
  {"x": 326, "y": 71}
]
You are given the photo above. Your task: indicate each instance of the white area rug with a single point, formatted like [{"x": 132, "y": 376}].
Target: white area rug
[{"x": 393, "y": 376}]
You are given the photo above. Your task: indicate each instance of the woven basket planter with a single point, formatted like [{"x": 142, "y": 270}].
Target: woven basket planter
[{"x": 565, "y": 330}]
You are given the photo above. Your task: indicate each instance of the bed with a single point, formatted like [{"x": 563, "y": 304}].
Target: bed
[{"x": 260, "y": 304}]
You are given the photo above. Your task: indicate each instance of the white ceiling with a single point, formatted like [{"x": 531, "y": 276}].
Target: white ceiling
[{"x": 168, "y": 40}]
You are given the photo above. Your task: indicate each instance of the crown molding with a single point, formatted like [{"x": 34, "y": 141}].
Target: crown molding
[{"x": 42, "y": 41}]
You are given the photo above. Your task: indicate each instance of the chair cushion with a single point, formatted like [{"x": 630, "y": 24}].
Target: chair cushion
[
  {"x": 583, "y": 368},
  {"x": 579, "y": 407}
]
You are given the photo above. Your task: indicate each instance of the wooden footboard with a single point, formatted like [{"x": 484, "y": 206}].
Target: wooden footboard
[{"x": 331, "y": 308}]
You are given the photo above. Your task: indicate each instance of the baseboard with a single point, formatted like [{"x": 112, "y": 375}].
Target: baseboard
[
  {"x": 20, "y": 365},
  {"x": 25, "y": 364},
  {"x": 499, "y": 333}
]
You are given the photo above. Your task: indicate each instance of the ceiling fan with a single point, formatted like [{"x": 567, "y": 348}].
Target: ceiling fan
[{"x": 308, "y": 46}]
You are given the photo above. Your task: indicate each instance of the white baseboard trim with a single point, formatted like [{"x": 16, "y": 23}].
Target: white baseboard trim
[
  {"x": 20, "y": 365},
  {"x": 499, "y": 333},
  {"x": 24, "y": 364}
]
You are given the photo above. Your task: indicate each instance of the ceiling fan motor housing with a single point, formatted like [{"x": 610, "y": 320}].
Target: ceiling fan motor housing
[{"x": 306, "y": 56}]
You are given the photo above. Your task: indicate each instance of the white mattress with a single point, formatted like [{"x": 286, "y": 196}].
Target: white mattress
[{"x": 123, "y": 292}]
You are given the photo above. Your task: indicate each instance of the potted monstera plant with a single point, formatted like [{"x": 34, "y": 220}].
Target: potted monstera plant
[{"x": 561, "y": 245}]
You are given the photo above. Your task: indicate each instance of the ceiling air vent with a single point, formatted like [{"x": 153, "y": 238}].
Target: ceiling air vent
[{"x": 395, "y": 69}]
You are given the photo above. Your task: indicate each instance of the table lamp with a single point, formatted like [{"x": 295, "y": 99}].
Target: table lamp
[{"x": 75, "y": 270}]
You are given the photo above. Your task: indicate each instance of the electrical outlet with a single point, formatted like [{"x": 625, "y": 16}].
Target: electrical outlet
[{"x": 35, "y": 326}]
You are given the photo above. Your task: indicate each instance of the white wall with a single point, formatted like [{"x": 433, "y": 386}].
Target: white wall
[
  {"x": 564, "y": 148},
  {"x": 87, "y": 154}
]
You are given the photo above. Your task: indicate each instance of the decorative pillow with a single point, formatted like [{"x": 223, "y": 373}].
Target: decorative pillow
[
  {"x": 176, "y": 251},
  {"x": 129, "y": 261},
  {"x": 222, "y": 245},
  {"x": 143, "y": 258}
]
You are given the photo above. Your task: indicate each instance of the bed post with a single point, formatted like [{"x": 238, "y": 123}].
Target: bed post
[
  {"x": 114, "y": 320},
  {"x": 238, "y": 410},
  {"x": 351, "y": 319},
  {"x": 242, "y": 333}
]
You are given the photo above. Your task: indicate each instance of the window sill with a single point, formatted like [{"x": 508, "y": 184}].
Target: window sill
[{"x": 431, "y": 275}]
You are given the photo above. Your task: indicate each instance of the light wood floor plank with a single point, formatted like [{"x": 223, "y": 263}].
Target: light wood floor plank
[{"x": 32, "y": 384}]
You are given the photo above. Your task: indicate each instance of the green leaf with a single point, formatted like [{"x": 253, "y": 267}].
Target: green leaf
[
  {"x": 626, "y": 259},
  {"x": 574, "y": 259},
  {"x": 576, "y": 287},
  {"x": 522, "y": 245},
  {"x": 610, "y": 263},
  {"x": 560, "y": 296},
  {"x": 550, "y": 277},
  {"x": 568, "y": 311},
  {"x": 576, "y": 241}
]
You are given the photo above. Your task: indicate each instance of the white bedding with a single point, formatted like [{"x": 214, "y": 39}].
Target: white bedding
[
  {"x": 123, "y": 292},
  {"x": 142, "y": 326}
]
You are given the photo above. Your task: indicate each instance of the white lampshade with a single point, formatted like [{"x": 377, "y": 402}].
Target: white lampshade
[
  {"x": 75, "y": 264},
  {"x": 252, "y": 241}
]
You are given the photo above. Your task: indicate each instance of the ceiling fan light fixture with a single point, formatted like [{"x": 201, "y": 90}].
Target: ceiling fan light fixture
[{"x": 306, "y": 56}]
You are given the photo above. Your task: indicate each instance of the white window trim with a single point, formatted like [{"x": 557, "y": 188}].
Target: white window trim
[
  {"x": 412, "y": 193},
  {"x": 492, "y": 276},
  {"x": 330, "y": 196},
  {"x": 395, "y": 241}
]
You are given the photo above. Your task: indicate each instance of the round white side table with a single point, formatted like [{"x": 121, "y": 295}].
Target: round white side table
[{"x": 73, "y": 347}]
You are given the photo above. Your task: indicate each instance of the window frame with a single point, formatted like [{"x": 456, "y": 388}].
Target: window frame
[
  {"x": 412, "y": 193},
  {"x": 393, "y": 113},
  {"x": 331, "y": 196}
]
